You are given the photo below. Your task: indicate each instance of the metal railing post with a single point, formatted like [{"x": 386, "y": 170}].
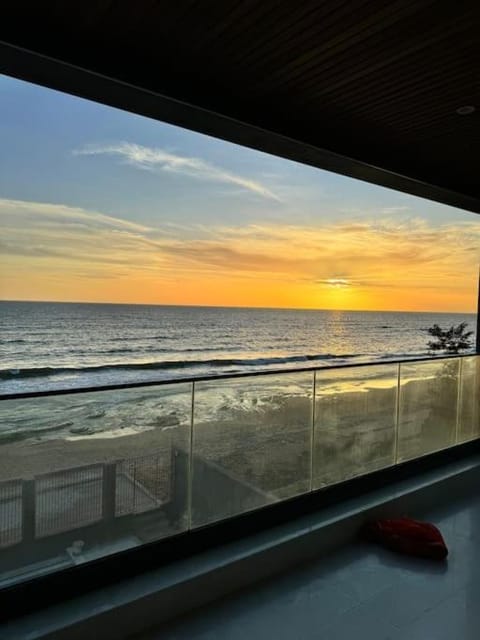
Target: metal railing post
[
  {"x": 459, "y": 399},
  {"x": 312, "y": 435},
  {"x": 189, "y": 465},
  {"x": 28, "y": 510},
  {"x": 109, "y": 490},
  {"x": 476, "y": 386},
  {"x": 397, "y": 415},
  {"x": 477, "y": 341}
]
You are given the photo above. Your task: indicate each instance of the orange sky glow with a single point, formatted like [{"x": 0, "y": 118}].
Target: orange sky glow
[
  {"x": 65, "y": 254},
  {"x": 101, "y": 205}
]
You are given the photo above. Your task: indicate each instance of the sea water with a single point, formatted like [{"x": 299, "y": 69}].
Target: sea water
[{"x": 46, "y": 345}]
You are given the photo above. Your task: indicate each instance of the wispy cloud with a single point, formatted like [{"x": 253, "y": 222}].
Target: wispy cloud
[
  {"x": 70, "y": 235},
  {"x": 389, "y": 210},
  {"x": 369, "y": 257},
  {"x": 157, "y": 159},
  {"x": 44, "y": 212},
  {"x": 386, "y": 263}
]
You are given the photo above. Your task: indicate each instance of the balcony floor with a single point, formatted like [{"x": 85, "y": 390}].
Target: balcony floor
[{"x": 359, "y": 592}]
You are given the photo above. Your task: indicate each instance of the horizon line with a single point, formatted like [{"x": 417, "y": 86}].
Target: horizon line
[{"x": 214, "y": 306}]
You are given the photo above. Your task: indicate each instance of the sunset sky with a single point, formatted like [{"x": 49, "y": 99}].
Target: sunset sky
[{"x": 100, "y": 205}]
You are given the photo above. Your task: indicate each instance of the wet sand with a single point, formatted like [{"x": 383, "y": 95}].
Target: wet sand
[{"x": 269, "y": 445}]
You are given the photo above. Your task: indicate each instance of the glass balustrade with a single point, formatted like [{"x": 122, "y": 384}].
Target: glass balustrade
[
  {"x": 84, "y": 475},
  {"x": 428, "y": 407},
  {"x": 469, "y": 399},
  {"x": 355, "y": 414},
  {"x": 87, "y": 474},
  {"x": 252, "y": 441}
]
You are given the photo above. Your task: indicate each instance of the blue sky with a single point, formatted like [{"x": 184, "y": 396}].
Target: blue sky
[
  {"x": 41, "y": 129},
  {"x": 66, "y": 152}
]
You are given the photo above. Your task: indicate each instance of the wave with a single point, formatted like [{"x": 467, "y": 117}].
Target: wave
[
  {"x": 154, "y": 349},
  {"x": 140, "y": 338},
  {"x": 123, "y": 350},
  {"x": 164, "y": 365},
  {"x": 23, "y": 434},
  {"x": 134, "y": 350},
  {"x": 404, "y": 356}
]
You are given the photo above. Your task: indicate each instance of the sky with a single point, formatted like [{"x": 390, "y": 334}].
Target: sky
[{"x": 100, "y": 205}]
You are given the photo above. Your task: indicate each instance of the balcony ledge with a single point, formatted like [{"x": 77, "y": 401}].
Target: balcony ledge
[{"x": 137, "y": 604}]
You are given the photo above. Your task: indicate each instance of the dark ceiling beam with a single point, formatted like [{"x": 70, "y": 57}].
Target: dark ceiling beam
[{"x": 60, "y": 75}]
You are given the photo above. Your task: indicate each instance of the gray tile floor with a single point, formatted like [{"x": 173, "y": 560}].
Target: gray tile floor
[{"x": 358, "y": 593}]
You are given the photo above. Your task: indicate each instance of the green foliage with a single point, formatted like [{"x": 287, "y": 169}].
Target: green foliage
[{"x": 451, "y": 340}]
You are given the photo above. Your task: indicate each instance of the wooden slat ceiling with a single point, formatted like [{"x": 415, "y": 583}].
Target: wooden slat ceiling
[{"x": 379, "y": 82}]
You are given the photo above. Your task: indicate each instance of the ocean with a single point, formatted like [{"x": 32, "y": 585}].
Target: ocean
[{"x": 45, "y": 345}]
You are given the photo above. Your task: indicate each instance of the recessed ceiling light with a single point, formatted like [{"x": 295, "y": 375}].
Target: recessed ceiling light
[{"x": 466, "y": 110}]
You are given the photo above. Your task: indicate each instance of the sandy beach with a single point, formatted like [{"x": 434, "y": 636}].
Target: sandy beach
[{"x": 267, "y": 443}]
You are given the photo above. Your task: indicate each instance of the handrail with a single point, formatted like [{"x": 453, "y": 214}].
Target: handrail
[{"x": 223, "y": 376}]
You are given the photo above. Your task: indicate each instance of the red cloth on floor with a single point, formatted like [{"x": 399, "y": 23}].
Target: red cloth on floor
[{"x": 408, "y": 536}]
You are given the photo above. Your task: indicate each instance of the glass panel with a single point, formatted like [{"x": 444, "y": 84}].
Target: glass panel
[
  {"x": 252, "y": 443},
  {"x": 469, "y": 412},
  {"x": 10, "y": 512},
  {"x": 428, "y": 407},
  {"x": 355, "y": 412},
  {"x": 86, "y": 475}
]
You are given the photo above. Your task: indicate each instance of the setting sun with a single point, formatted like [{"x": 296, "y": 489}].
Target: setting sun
[
  {"x": 57, "y": 252},
  {"x": 338, "y": 282}
]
